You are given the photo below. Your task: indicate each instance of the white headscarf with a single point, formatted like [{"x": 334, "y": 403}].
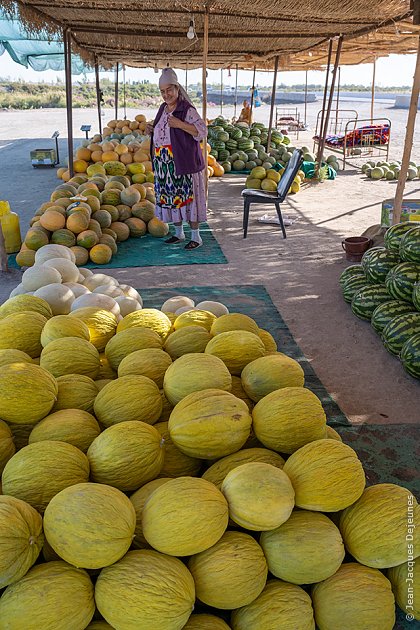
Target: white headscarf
[{"x": 169, "y": 77}]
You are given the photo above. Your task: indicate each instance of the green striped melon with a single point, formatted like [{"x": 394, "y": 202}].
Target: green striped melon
[
  {"x": 415, "y": 296},
  {"x": 379, "y": 264},
  {"x": 371, "y": 253},
  {"x": 395, "y": 233},
  {"x": 351, "y": 272},
  {"x": 352, "y": 285},
  {"x": 410, "y": 246},
  {"x": 401, "y": 279},
  {"x": 367, "y": 299},
  {"x": 410, "y": 355},
  {"x": 383, "y": 313},
  {"x": 399, "y": 330}
]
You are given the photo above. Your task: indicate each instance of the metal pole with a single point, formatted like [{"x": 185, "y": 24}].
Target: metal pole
[
  {"x": 324, "y": 100},
  {"x": 252, "y": 94},
  {"x": 204, "y": 82},
  {"x": 306, "y": 95},
  {"x": 372, "y": 102},
  {"x": 330, "y": 98},
  {"x": 221, "y": 91},
  {"x": 124, "y": 100},
  {"x": 236, "y": 93},
  {"x": 69, "y": 104},
  {"x": 338, "y": 98},
  {"x": 186, "y": 77},
  {"x": 98, "y": 94},
  {"x": 116, "y": 93},
  {"x": 408, "y": 144},
  {"x": 273, "y": 99}
]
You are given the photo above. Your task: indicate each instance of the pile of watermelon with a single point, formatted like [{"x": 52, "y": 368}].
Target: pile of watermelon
[{"x": 385, "y": 290}]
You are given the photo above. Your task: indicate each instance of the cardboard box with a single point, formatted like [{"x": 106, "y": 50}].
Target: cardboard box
[{"x": 410, "y": 211}]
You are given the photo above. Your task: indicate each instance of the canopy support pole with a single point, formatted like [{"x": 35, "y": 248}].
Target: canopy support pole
[
  {"x": 273, "y": 100},
  {"x": 306, "y": 96},
  {"x": 3, "y": 254},
  {"x": 338, "y": 99},
  {"x": 221, "y": 91},
  {"x": 330, "y": 98},
  {"x": 236, "y": 93},
  {"x": 116, "y": 92},
  {"x": 186, "y": 77},
  {"x": 98, "y": 94},
  {"x": 372, "y": 102},
  {"x": 204, "y": 82},
  {"x": 252, "y": 94},
  {"x": 408, "y": 143},
  {"x": 124, "y": 99},
  {"x": 324, "y": 100},
  {"x": 69, "y": 103}
]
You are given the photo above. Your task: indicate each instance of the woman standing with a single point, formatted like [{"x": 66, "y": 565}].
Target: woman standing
[{"x": 178, "y": 161}]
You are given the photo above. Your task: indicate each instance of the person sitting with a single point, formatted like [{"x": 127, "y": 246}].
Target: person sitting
[{"x": 246, "y": 114}]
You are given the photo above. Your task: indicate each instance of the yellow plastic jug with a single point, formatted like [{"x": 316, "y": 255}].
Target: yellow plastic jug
[{"x": 9, "y": 222}]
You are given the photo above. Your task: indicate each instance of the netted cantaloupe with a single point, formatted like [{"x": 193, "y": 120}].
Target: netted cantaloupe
[
  {"x": 37, "y": 600},
  {"x": 327, "y": 476},
  {"x": 101, "y": 323},
  {"x": 234, "y": 321},
  {"x": 121, "y": 230},
  {"x": 236, "y": 348},
  {"x": 7, "y": 446},
  {"x": 209, "y": 424},
  {"x": 39, "y": 471},
  {"x": 138, "y": 499},
  {"x": 22, "y": 331},
  {"x": 176, "y": 463},
  {"x": 77, "y": 222},
  {"x": 186, "y": 340},
  {"x": 90, "y": 525},
  {"x": 231, "y": 574},
  {"x": 128, "y": 398},
  {"x": 238, "y": 391},
  {"x": 405, "y": 582},
  {"x": 280, "y": 606},
  {"x": 150, "y": 362},
  {"x": 157, "y": 228},
  {"x": 260, "y": 496},
  {"x": 217, "y": 472},
  {"x": 194, "y": 372},
  {"x": 73, "y": 426},
  {"x": 146, "y": 590},
  {"x": 21, "y": 539},
  {"x": 144, "y": 210},
  {"x": 203, "y": 621},
  {"x": 266, "y": 374},
  {"x": 268, "y": 340},
  {"x": 289, "y": 418},
  {"x": 147, "y": 318},
  {"x": 358, "y": 595},
  {"x": 63, "y": 326},
  {"x": 81, "y": 255},
  {"x": 70, "y": 355},
  {"x": 372, "y": 527},
  {"x": 25, "y": 303},
  {"x": 181, "y": 507},
  {"x": 75, "y": 391},
  {"x": 195, "y": 318},
  {"x": 114, "y": 455},
  {"x": 306, "y": 549},
  {"x": 27, "y": 393}
]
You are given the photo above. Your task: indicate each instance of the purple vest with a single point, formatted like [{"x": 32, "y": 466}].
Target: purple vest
[{"x": 188, "y": 156}]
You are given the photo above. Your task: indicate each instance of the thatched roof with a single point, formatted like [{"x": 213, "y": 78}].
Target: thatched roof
[{"x": 246, "y": 33}]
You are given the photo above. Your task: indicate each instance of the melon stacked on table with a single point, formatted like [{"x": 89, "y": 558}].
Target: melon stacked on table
[
  {"x": 110, "y": 210},
  {"x": 157, "y": 467},
  {"x": 385, "y": 290}
]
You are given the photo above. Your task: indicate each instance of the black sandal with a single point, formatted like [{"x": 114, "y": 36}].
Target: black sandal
[
  {"x": 173, "y": 239},
  {"x": 192, "y": 245}
]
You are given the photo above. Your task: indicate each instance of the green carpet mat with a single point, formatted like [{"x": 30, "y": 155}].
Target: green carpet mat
[{"x": 148, "y": 251}]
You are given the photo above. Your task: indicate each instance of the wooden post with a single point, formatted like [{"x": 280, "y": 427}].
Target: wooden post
[
  {"x": 186, "y": 77},
  {"x": 116, "y": 92},
  {"x": 221, "y": 91},
  {"x": 252, "y": 94},
  {"x": 98, "y": 94},
  {"x": 338, "y": 99},
  {"x": 324, "y": 100},
  {"x": 273, "y": 100},
  {"x": 408, "y": 144},
  {"x": 124, "y": 99},
  {"x": 306, "y": 96},
  {"x": 372, "y": 102},
  {"x": 69, "y": 102},
  {"x": 204, "y": 82},
  {"x": 236, "y": 93},
  {"x": 3, "y": 254}
]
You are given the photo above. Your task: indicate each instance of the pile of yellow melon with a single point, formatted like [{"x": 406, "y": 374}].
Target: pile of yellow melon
[
  {"x": 268, "y": 179},
  {"x": 166, "y": 461}
]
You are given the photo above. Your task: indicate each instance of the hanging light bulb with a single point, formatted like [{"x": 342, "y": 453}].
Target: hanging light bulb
[
  {"x": 156, "y": 69},
  {"x": 191, "y": 30}
]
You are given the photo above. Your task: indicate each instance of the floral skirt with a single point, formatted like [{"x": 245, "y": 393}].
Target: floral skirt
[{"x": 172, "y": 191}]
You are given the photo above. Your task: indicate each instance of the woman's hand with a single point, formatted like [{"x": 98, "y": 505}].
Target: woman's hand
[
  {"x": 175, "y": 123},
  {"x": 149, "y": 128}
]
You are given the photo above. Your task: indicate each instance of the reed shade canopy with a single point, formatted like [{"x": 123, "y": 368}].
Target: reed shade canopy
[{"x": 250, "y": 33}]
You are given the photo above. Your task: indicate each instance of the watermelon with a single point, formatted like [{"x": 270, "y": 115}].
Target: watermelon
[
  {"x": 351, "y": 272},
  {"x": 401, "y": 279},
  {"x": 385, "y": 312},
  {"x": 379, "y": 264},
  {"x": 366, "y": 299},
  {"x": 371, "y": 253},
  {"x": 352, "y": 285},
  {"x": 399, "y": 330},
  {"x": 236, "y": 133},
  {"x": 410, "y": 245},
  {"x": 415, "y": 296},
  {"x": 238, "y": 165},
  {"x": 395, "y": 233},
  {"x": 410, "y": 355},
  {"x": 223, "y": 136}
]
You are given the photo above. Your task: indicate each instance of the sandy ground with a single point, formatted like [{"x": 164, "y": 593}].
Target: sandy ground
[{"x": 301, "y": 273}]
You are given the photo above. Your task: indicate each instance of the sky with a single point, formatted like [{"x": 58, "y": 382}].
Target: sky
[{"x": 395, "y": 70}]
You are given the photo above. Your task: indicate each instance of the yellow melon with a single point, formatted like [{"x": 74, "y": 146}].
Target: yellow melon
[
  {"x": 209, "y": 424},
  {"x": 75, "y": 391},
  {"x": 101, "y": 382},
  {"x": 372, "y": 527},
  {"x": 63, "y": 326},
  {"x": 27, "y": 393},
  {"x": 266, "y": 374},
  {"x": 326, "y": 474},
  {"x": 236, "y": 348},
  {"x": 128, "y": 398},
  {"x": 77, "y": 222},
  {"x": 100, "y": 322},
  {"x": 306, "y": 549},
  {"x": 359, "y": 595},
  {"x": 130, "y": 340},
  {"x": 281, "y": 606},
  {"x": 189, "y": 339},
  {"x": 166, "y": 408},
  {"x": 14, "y": 356},
  {"x": 238, "y": 391},
  {"x": 160, "y": 591},
  {"x": 176, "y": 463},
  {"x": 90, "y": 525},
  {"x": 195, "y": 318},
  {"x": 178, "y": 508},
  {"x": 195, "y": 372},
  {"x": 203, "y": 621},
  {"x": 150, "y": 362},
  {"x": 7, "y": 446},
  {"x": 138, "y": 499},
  {"x": 37, "y": 601},
  {"x": 218, "y": 471},
  {"x": 105, "y": 371},
  {"x": 405, "y": 581},
  {"x": 268, "y": 340},
  {"x": 332, "y": 434},
  {"x": 39, "y": 471},
  {"x": 74, "y": 426},
  {"x": 21, "y": 433},
  {"x": 114, "y": 455},
  {"x": 70, "y": 355},
  {"x": 234, "y": 321},
  {"x": 83, "y": 153},
  {"x": 21, "y": 539},
  {"x": 147, "y": 318},
  {"x": 22, "y": 331}
]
